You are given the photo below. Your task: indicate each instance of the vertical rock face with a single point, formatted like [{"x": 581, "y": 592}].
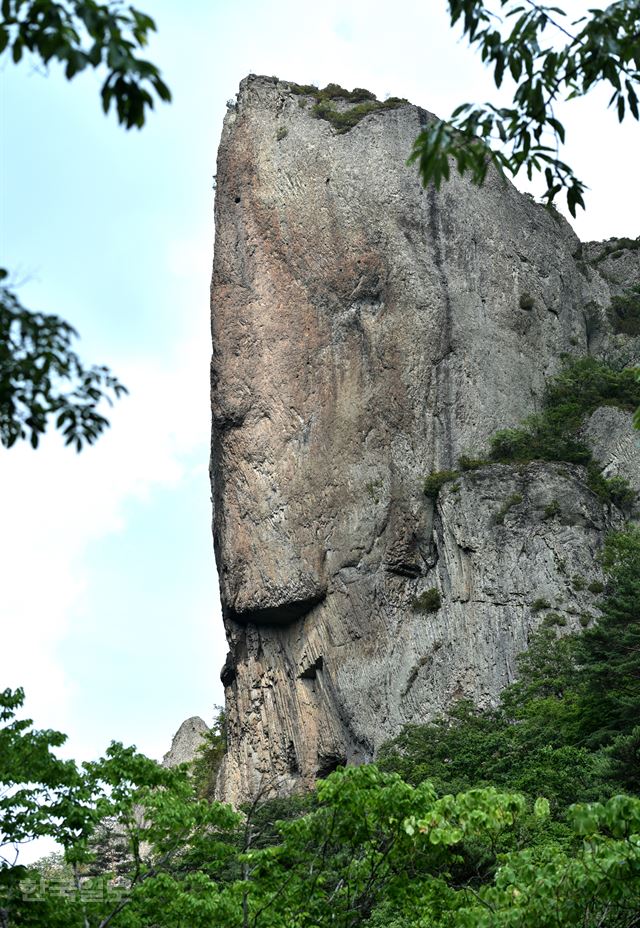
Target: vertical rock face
[{"x": 366, "y": 332}]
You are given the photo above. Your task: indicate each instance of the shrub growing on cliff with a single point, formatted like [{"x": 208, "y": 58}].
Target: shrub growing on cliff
[
  {"x": 428, "y": 601},
  {"x": 616, "y": 490},
  {"x": 539, "y": 439},
  {"x": 624, "y": 312},
  {"x": 514, "y": 500},
  {"x": 436, "y": 480},
  {"x": 587, "y": 383},
  {"x": 468, "y": 462},
  {"x": 552, "y": 509},
  {"x": 616, "y": 247},
  {"x": 567, "y": 728},
  {"x": 206, "y": 765},
  {"x": 333, "y": 92},
  {"x": 582, "y": 386}
]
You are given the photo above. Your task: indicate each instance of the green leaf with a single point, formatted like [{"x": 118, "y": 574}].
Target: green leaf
[{"x": 541, "y": 808}]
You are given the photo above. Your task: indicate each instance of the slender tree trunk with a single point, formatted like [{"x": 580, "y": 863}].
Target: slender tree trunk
[{"x": 76, "y": 880}]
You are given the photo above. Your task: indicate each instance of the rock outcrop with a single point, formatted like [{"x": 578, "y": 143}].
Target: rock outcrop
[
  {"x": 365, "y": 333},
  {"x": 186, "y": 742}
]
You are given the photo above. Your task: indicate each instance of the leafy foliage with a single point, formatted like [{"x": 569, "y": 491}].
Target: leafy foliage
[
  {"x": 454, "y": 832},
  {"x": 42, "y": 379},
  {"x": 568, "y": 727},
  {"x": 610, "y": 651},
  {"x": 84, "y": 34},
  {"x": 206, "y": 765},
  {"x": 30, "y": 774},
  {"x": 151, "y": 809},
  {"x": 599, "y": 49},
  {"x": 596, "y": 885},
  {"x": 36, "y": 360}
]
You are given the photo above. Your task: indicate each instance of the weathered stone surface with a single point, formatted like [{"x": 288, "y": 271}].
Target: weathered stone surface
[
  {"x": 365, "y": 333},
  {"x": 186, "y": 742},
  {"x": 619, "y": 265},
  {"x": 614, "y": 443},
  {"x": 616, "y": 261}
]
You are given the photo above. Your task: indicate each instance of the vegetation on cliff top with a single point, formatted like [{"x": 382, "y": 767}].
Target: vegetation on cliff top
[{"x": 344, "y": 119}]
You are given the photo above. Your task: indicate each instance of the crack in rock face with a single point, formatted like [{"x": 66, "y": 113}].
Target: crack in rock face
[{"x": 367, "y": 332}]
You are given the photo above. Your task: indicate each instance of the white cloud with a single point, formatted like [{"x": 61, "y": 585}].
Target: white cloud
[{"x": 55, "y": 502}]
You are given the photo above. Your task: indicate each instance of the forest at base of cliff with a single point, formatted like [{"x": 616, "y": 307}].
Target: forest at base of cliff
[{"x": 523, "y": 815}]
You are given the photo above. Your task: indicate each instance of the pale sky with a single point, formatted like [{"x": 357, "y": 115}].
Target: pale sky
[{"x": 109, "y": 607}]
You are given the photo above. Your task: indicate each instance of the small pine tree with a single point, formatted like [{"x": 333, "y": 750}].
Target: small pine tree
[{"x": 206, "y": 765}]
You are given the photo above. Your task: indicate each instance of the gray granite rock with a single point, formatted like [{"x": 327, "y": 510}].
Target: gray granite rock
[
  {"x": 614, "y": 443},
  {"x": 365, "y": 333},
  {"x": 186, "y": 742}
]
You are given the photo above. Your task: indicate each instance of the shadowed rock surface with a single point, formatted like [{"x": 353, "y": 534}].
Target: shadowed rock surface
[{"x": 365, "y": 333}]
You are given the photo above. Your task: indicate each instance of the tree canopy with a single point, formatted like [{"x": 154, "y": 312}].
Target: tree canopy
[
  {"x": 84, "y": 34},
  {"x": 550, "y": 60}
]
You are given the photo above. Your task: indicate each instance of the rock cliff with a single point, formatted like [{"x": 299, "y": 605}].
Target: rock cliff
[
  {"x": 365, "y": 333},
  {"x": 186, "y": 742}
]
